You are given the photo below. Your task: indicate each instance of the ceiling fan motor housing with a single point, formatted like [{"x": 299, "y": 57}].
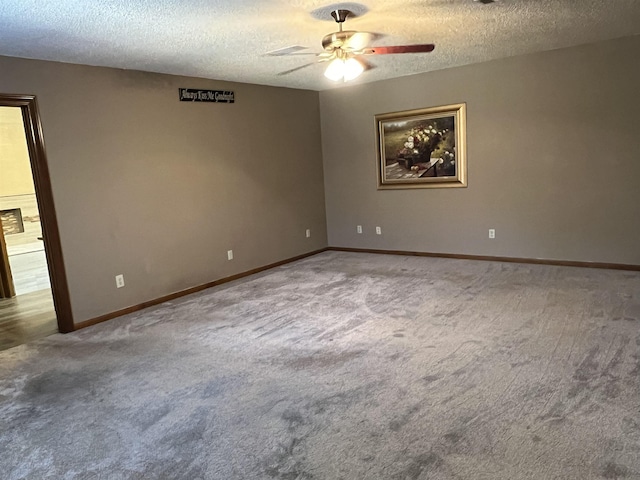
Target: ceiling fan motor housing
[{"x": 337, "y": 39}]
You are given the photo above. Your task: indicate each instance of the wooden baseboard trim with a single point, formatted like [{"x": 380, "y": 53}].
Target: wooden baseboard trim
[
  {"x": 182, "y": 293},
  {"x": 188, "y": 291},
  {"x": 537, "y": 261}
]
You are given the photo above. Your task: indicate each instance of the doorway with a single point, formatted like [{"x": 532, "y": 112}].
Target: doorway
[
  {"x": 34, "y": 297},
  {"x": 19, "y": 213}
]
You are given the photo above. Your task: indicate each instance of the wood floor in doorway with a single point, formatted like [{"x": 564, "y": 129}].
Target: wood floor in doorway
[{"x": 26, "y": 317}]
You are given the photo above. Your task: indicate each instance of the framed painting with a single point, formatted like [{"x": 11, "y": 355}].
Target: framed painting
[
  {"x": 11, "y": 221},
  {"x": 423, "y": 148}
]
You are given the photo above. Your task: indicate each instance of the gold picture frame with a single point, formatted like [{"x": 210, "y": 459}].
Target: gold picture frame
[{"x": 424, "y": 148}]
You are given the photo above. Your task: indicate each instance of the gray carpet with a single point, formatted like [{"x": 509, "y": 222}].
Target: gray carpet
[{"x": 342, "y": 366}]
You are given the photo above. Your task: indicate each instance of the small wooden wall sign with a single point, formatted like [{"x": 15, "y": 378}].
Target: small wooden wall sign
[{"x": 215, "y": 96}]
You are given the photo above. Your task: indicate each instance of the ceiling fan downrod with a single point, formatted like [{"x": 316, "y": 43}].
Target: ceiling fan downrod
[{"x": 336, "y": 40}]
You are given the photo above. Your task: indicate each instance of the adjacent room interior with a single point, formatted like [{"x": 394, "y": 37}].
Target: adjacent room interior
[
  {"x": 26, "y": 307},
  {"x": 245, "y": 297}
]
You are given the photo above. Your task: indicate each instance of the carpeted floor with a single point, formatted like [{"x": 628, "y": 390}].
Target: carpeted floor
[{"x": 342, "y": 366}]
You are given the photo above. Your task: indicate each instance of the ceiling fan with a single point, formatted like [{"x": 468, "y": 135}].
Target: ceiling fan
[{"x": 345, "y": 49}]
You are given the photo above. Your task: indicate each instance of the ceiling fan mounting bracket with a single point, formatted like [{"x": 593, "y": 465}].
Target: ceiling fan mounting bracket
[{"x": 340, "y": 15}]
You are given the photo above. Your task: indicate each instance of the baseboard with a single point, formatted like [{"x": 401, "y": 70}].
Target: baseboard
[
  {"x": 182, "y": 293},
  {"x": 538, "y": 261},
  {"x": 188, "y": 291}
]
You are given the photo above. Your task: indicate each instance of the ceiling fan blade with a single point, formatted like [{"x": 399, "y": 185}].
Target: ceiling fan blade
[
  {"x": 305, "y": 54},
  {"x": 287, "y": 72},
  {"x": 366, "y": 64},
  {"x": 286, "y": 51},
  {"x": 423, "y": 48},
  {"x": 360, "y": 40}
]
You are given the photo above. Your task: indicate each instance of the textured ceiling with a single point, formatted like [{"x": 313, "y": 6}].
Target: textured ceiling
[{"x": 228, "y": 39}]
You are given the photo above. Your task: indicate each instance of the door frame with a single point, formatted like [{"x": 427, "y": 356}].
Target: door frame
[
  {"x": 44, "y": 197},
  {"x": 7, "y": 289}
]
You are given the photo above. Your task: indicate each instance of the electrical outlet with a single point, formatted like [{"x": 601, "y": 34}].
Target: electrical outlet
[
  {"x": 378, "y": 231},
  {"x": 359, "y": 229},
  {"x": 119, "y": 281},
  {"x": 492, "y": 233},
  {"x": 229, "y": 254},
  {"x": 308, "y": 233}
]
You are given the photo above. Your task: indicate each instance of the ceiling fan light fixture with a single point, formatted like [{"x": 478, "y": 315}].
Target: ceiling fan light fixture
[
  {"x": 341, "y": 69},
  {"x": 335, "y": 70},
  {"x": 352, "y": 69}
]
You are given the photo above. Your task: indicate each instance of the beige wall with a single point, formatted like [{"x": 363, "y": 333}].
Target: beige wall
[
  {"x": 553, "y": 159},
  {"x": 15, "y": 169},
  {"x": 159, "y": 190}
]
